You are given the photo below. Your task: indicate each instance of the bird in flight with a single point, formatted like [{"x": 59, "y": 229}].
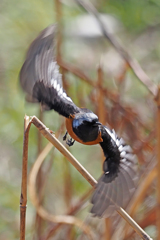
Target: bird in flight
[{"x": 42, "y": 82}]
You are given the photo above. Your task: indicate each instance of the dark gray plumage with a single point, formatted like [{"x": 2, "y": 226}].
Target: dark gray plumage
[
  {"x": 42, "y": 82},
  {"x": 40, "y": 77},
  {"x": 117, "y": 185}
]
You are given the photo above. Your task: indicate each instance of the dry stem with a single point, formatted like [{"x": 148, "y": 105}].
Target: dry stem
[
  {"x": 73, "y": 210},
  {"x": 158, "y": 163},
  {"x": 138, "y": 71},
  {"x": 23, "y": 197},
  {"x": 141, "y": 191},
  {"x": 38, "y": 220},
  {"x": 51, "y": 138},
  {"x": 46, "y": 133},
  {"x": 45, "y": 215},
  {"x": 35, "y": 200},
  {"x": 137, "y": 199},
  {"x": 101, "y": 114},
  {"x": 110, "y": 95}
]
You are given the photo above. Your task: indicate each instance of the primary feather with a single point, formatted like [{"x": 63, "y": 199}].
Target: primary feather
[
  {"x": 40, "y": 77},
  {"x": 41, "y": 80},
  {"x": 117, "y": 184}
]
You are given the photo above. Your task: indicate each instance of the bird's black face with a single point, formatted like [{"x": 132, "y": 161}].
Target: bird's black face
[{"x": 86, "y": 126}]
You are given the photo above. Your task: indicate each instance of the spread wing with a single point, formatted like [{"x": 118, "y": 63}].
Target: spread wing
[
  {"x": 117, "y": 185},
  {"x": 40, "y": 77}
]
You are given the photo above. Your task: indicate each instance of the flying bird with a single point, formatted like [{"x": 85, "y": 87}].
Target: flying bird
[{"x": 42, "y": 82}]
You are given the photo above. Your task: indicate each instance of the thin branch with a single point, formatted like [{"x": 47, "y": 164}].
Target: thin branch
[
  {"x": 58, "y": 9},
  {"x": 46, "y": 133},
  {"x": 138, "y": 71},
  {"x": 101, "y": 114},
  {"x": 72, "y": 211},
  {"x": 38, "y": 220},
  {"x": 23, "y": 197},
  {"x": 76, "y": 71},
  {"x": 148, "y": 219},
  {"x": 39, "y": 208},
  {"x": 100, "y": 98},
  {"x": 158, "y": 163},
  {"x": 111, "y": 96},
  {"x": 141, "y": 191},
  {"x": 137, "y": 199},
  {"x": 51, "y": 138}
]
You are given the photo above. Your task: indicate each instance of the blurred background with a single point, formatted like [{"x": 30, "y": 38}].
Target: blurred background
[{"x": 122, "y": 102}]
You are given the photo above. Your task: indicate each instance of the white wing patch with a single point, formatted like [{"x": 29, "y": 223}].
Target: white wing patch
[
  {"x": 112, "y": 134},
  {"x": 126, "y": 152},
  {"x": 60, "y": 91},
  {"x": 120, "y": 190},
  {"x": 55, "y": 82},
  {"x": 51, "y": 66},
  {"x": 122, "y": 154},
  {"x": 58, "y": 88}
]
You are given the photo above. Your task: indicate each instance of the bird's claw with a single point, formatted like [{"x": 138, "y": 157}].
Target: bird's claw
[
  {"x": 70, "y": 142},
  {"x": 65, "y": 136}
]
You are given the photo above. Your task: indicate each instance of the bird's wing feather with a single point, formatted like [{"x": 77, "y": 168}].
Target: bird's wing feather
[
  {"x": 116, "y": 191},
  {"x": 40, "y": 77}
]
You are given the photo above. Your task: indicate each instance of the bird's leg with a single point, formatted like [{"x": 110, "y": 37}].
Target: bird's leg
[
  {"x": 70, "y": 142},
  {"x": 65, "y": 136}
]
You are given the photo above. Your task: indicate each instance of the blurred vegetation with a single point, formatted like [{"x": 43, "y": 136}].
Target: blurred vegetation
[{"x": 20, "y": 21}]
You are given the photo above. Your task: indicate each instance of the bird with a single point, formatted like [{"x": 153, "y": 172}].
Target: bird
[{"x": 42, "y": 82}]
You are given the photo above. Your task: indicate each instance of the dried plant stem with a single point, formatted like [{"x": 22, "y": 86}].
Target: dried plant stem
[
  {"x": 58, "y": 7},
  {"x": 71, "y": 211},
  {"x": 148, "y": 219},
  {"x": 158, "y": 163},
  {"x": 46, "y": 133},
  {"x": 70, "y": 220},
  {"x": 39, "y": 136},
  {"x": 138, "y": 71},
  {"x": 23, "y": 197},
  {"x": 76, "y": 71},
  {"x": 101, "y": 106},
  {"x": 66, "y": 173},
  {"x": 101, "y": 111},
  {"x": 111, "y": 96},
  {"x": 135, "y": 226},
  {"x": 67, "y": 183},
  {"x": 38, "y": 220},
  {"x": 136, "y": 200},
  {"x": 35, "y": 200},
  {"x": 141, "y": 190},
  {"x": 108, "y": 227}
]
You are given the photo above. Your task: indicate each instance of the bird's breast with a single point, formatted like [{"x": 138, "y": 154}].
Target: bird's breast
[{"x": 75, "y": 136}]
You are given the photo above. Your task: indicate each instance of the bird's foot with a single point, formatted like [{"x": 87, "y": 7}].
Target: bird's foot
[
  {"x": 65, "y": 136},
  {"x": 70, "y": 142}
]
